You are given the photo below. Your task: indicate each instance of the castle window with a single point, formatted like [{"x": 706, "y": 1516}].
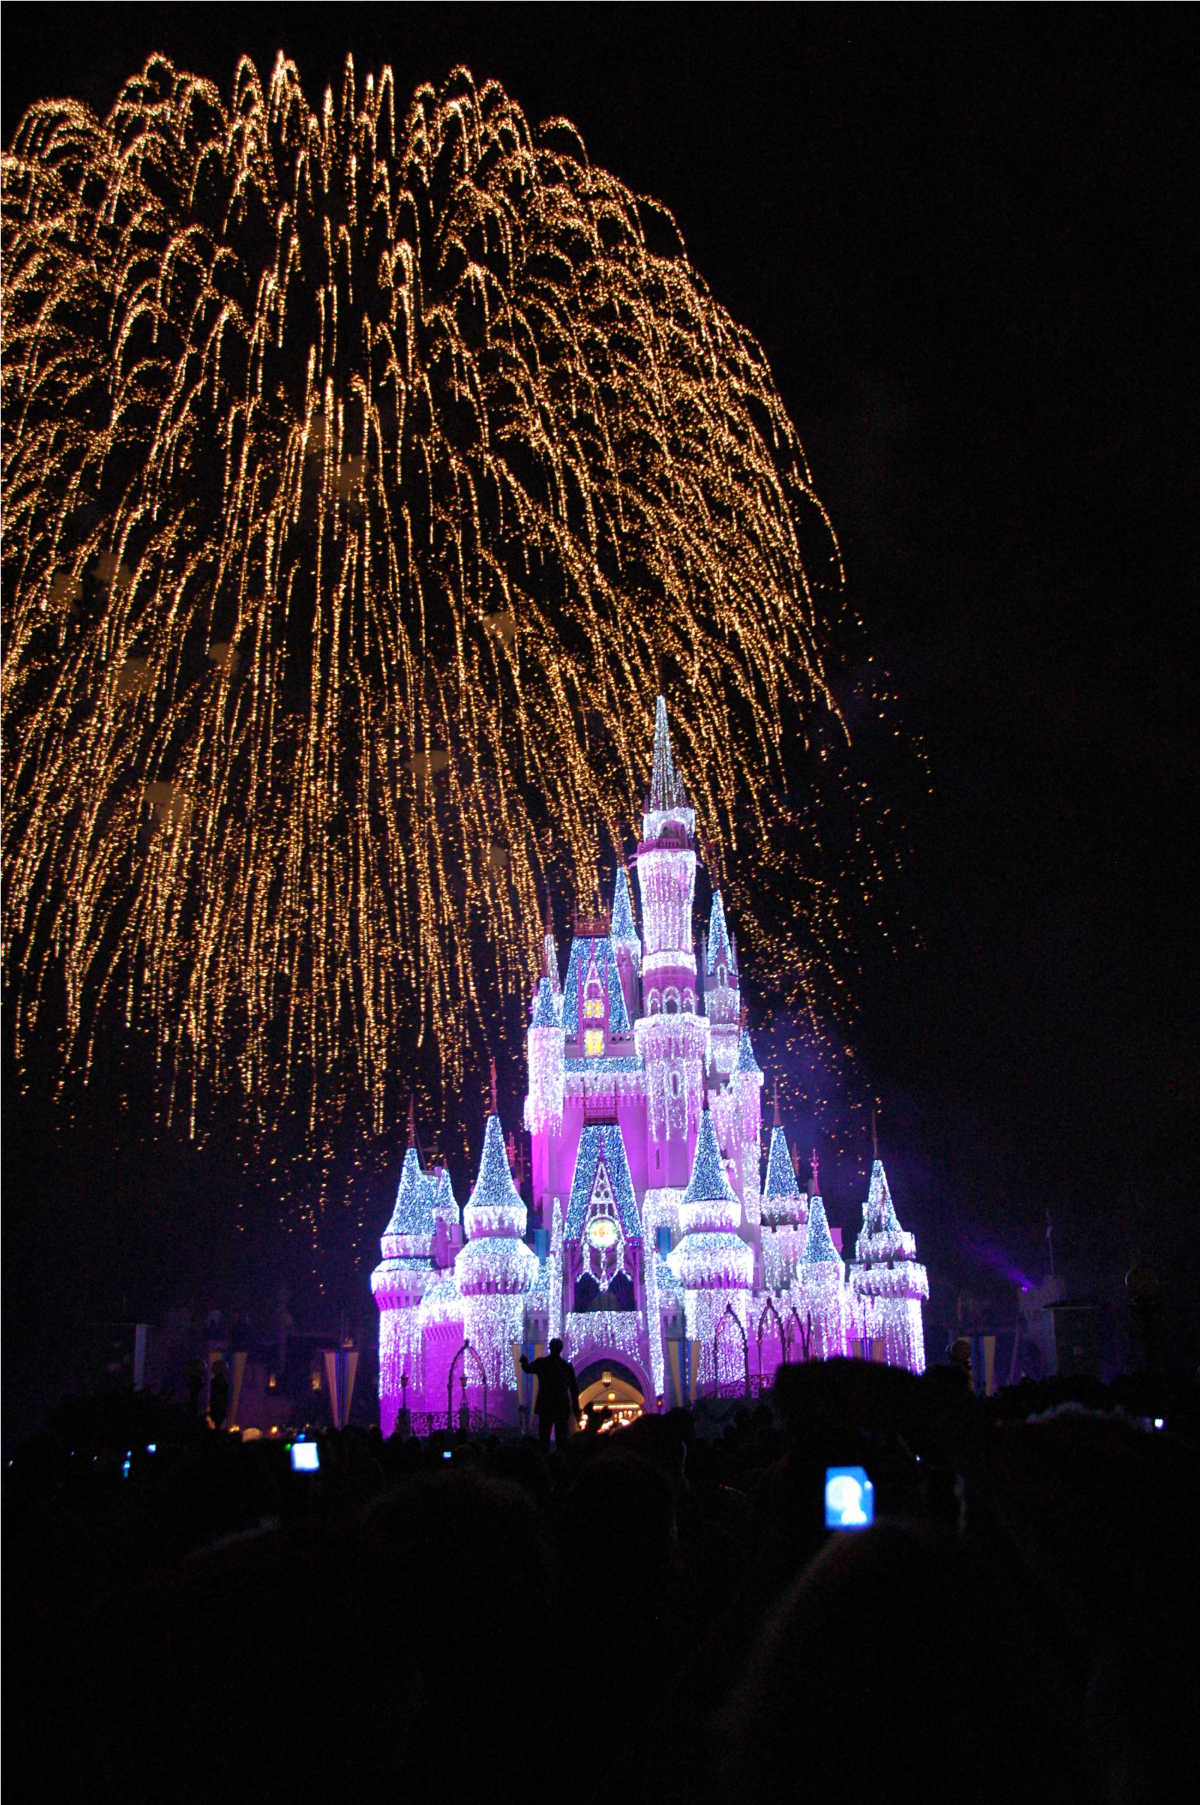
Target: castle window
[
  {"x": 652, "y": 1002},
  {"x": 722, "y": 978},
  {"x": 671, "y": 1002},
  {"x": 689, "y": 1002},
  {"x": 674, "y": 1084},
  {"x": 593, "y": 1041},
  {"x": 593, "y": 1007}
]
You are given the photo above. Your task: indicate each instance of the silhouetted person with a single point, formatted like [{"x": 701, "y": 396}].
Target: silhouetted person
[{"x": 557, "y": 1393}]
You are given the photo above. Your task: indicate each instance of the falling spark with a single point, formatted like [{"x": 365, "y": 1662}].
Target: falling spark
[{"x": 362, "y": 474}]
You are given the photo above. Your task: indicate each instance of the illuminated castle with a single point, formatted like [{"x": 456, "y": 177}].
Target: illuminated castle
[{"x": 651, "y": 1243}]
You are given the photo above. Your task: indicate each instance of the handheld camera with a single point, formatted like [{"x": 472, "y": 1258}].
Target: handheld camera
[{"x": 849, "y": 1498}]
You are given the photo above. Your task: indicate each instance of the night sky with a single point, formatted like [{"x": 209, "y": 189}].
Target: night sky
[{"x": 967, "y": 241}]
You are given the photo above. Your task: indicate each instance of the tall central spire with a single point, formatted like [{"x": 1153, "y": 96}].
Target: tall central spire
[{"x": 666, "y": 791}]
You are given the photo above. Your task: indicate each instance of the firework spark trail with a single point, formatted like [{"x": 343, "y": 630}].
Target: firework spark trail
[{"x": 355, "y": 468}]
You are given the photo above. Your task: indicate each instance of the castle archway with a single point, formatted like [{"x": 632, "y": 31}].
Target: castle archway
[{"x": 612, "y": 1392}]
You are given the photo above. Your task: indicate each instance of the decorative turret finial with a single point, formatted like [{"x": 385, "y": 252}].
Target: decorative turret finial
[
  {"x": 814, "y": 1166},
  {"x": 495, "y": 1105},
  {"x": 412, "y": 1120},
  {"x": 874, "y": 1136},
  {"x": 777, "y": 1122}
]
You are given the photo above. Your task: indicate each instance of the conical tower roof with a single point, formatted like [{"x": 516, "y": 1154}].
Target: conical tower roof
[
  {"x": 443, "y": 1193},
  {"x": 709, "y": 1182},
  {"x": 493, "y": 1191},
  {"x": 545, "y": 1014},
  {"x": 819, "y": 1249},
  {"x": 719, "y": 950},
  {"x": 879, "y": 1212},
  {"x": 781, "y": 1177},
  {"x": 746, "y": 1062},
  {"x": 622, "y": 930},
  {"x": 413, "y": 1211}
]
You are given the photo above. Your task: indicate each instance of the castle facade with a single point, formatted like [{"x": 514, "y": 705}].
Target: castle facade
[{"x": 653, "y": 1243}]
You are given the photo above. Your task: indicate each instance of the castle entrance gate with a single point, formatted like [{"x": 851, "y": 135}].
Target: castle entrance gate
[{"x": 610, "y": 1395}]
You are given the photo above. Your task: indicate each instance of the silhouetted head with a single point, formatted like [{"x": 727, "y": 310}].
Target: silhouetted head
[{"x": 556, "y": 1346}]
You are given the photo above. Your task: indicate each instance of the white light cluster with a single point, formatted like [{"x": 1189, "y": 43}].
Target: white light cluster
[
  {"x": 672, "y": 1048},
  {"x": 399, "y": 1358},
  {"x": 618, "y": 1330},
  {"x": 710, "y": 1213},
  {"x": 669, "y": 961},
  {"x": 781, "y": 1252},
  {"x": 896, "y": 1244},
  {"x": 749, "y": 1187},
  {"x": 492, "y": 1324},
  {"x": 820, "y": 1294},
  {"x": 505, "y": 1219},
  {"x": 704, "y": 1312},
  {"x": 497, "y": 1263},
  {"x": 712, "y": 1261},
  {"x": 660, "y": 1209},
  {"x": 908, "y": 1278},
  {"x": 903, "y": 1333},
  {"x": 397, "y": 1283},
  {"x": 544, "y": 1102},
  {"x": 654, "y": 1319},
  {"x": 441, "y": 1304}
]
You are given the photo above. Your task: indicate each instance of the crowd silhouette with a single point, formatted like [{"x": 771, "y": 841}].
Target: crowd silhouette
[{"x": 652, "y": 1614}]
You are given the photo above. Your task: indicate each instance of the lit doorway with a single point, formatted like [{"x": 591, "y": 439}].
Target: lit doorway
[{"x": 609, "y": 1397}]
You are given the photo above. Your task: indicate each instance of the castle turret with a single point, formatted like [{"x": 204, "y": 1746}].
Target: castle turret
[
  {"x": 544, "y": 1102},
  {"x": 821, "y": 1283},
  {"x": 550, "y": 951},
  {"x": 784, "y": 1214},
  {"x": 722, "y": 990},
  {"x": 712, "y": 1262},
  {"x": 887, "y": 1282},
  {"x": 495, "y": 1270},
  {"x": 399, "y": 1282},
  {"x": 447, "y": 1219},
  {"x": 745, "y": 1137},
  {"x": 672, "y": 1040},
  {"x": 625, "y": 941}
]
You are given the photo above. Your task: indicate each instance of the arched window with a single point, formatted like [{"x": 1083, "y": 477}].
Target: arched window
[
  {"x": 689, "y": 1002},
  {"x": 671, "y": 1001},
  {"x": 722, "y": 977},
  {"x": 674, "y": 1084},
  {"x": 652, "y": 1002}
]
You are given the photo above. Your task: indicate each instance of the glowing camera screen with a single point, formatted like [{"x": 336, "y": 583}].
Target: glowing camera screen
[{"x": 849, "y": 1498}]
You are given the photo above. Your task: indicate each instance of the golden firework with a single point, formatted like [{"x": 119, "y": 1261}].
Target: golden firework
[{"x": 362, "y": 471}]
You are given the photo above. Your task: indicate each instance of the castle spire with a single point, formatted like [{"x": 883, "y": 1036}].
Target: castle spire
[
  {"x": 666, "y": 791},
  {"x": 777, "y": 1123},
  {"x": 621, "y": 928},
  {"x": 719, "y": 951},
  {"x": 814, "y": 1166},
  {"x": 492, "y": 1069}
]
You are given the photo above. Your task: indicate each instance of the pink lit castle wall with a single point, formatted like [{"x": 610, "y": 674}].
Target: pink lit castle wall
[{"x": 652, "y": 1241}]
